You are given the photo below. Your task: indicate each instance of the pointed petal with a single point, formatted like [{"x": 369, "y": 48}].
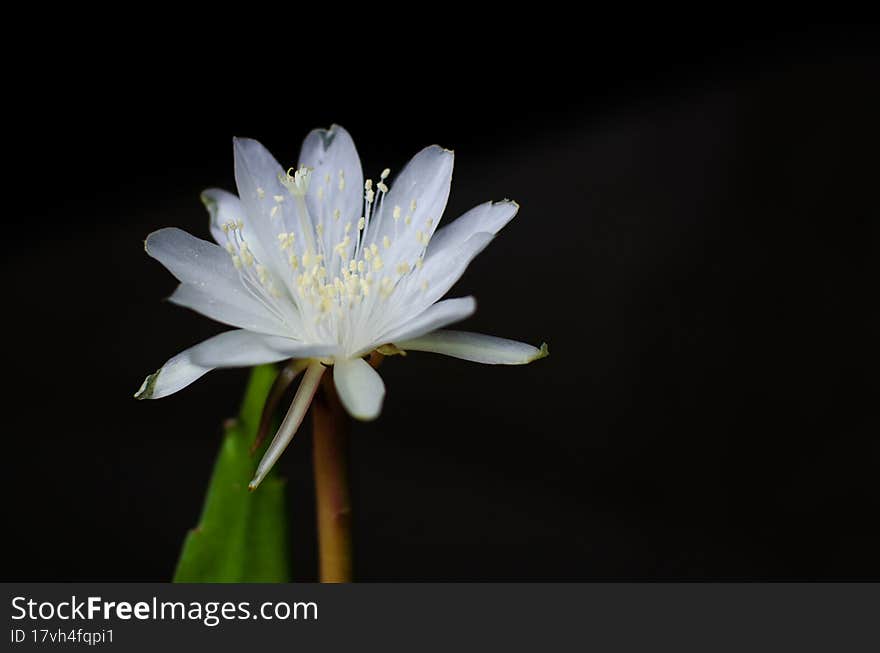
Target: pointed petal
[
  {"x": 223, "y": 207},
  {"x": 177, "y": 373},
  {"x": 434, "y": 317},
  {"x": 269, "y": 207},
  {"x": 232, "y": 308},
  {"x": 211, "y": 284},
  {"x": 476, "y": 347},
  {"x": 360, "y": 388},
  {"x": 295, "y": 414},
  {"x": 245, "y": 348},
  {"x": 489, "y": 217},
  {"x": 423, "y": 182},
  {"x": 229, "y": 349},
  {"x": 337, "y": 182},
  {"x": 421, "y": 289},
  {"x": 192, "y": 260}
]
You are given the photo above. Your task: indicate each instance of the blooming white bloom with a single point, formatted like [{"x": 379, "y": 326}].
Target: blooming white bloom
[{"x": 314, "y": 263}]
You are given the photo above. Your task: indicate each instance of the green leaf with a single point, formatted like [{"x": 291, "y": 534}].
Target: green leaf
[{"x": 241, "y": 536}]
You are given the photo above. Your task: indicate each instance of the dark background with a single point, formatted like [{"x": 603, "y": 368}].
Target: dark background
[{"x": 696, "y": 244}]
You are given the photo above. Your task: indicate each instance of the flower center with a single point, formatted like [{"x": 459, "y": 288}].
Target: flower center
[{"x": 339, "y": 278}]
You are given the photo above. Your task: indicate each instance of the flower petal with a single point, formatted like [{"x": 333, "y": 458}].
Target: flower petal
[
  {"x": 269, "y": 207},
  {"x": 434, "y": 317},
  {"x": 244, "y": 348},
  {"x": 421, "y": 289},
  {"x": 292, "y": 420},
  {"x": 337, "y": 182},
  {"x": 360, "y": 388},
  {"x": 424, "y": 184},
  {"x": 223, "y": 207},
  {"x": 192, "y": 260},
  {"x": 476, "y": 347},
  {"x": 489, "y": 217},
  {"x": 233, "y": 308},
  {"x": 211, "y": 284},
  {"x": 229, "y": 349}
]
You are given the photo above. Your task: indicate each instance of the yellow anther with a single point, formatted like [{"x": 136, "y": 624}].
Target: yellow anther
[
  {"x": 385, "y": 174},
  {"x": 336, "y": 214},
  {"x": 382, "y": 187},
  {"x": 374, "y": 248},
  {"x": 386, "y": 242},
  {"x": 407, "y": 220},
  {"x": 352, "y": 265},
  {"x": 236, "y": 261},
  {"x": 274, "y": 211},
  {"x": 403, "y": 268},
  {"x": 343, "y": 245},
  {"x": 419, "y": 263},
  {"x": 396, "y": 213},
  {"x": 368, "y": 184},
  {"x": 412, "y": 206},
  {"x": 285, "y": 240},
  {"x": 361, "y": 266},
  {"x": 278, "y": 198},
  {"x": 369, "y": 196},
  {"x": 362, "y": 223},
  {"x": 261, "y": 193}
]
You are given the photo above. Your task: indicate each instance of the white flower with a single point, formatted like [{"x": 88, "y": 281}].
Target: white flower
[{"x": 314, "y": 263}]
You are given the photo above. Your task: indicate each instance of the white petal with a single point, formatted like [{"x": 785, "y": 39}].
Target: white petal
[
  {"x": 258, "y": 178},
  {"x": 425, "y": 181},
  {"x": 235, "y": 308},
  {"x": 489, "y": 217},
  {"x": 337, "y": 182},
  {"x": 434, "y": 280},
  {"x": 476, "y": 347},
  {"x": 174, "y": 375},
  {"x": 434, "y": 317},
  {"x": 192, "y": 260},
  {"x": 211, "y": 284},
  {"x": 292, "y": 420},
  {"x": 223, "y": 207},
  {"x": 360, "y": 388},
  {"x": 230, "y": 349},
  {"x": 243, "y": 348}
]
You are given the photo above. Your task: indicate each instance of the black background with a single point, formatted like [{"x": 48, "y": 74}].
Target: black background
[{"x": 696, "y": 244}]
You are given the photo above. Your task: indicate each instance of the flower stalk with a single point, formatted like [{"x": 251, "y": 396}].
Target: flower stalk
[{"x": 330, "y": 427}]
